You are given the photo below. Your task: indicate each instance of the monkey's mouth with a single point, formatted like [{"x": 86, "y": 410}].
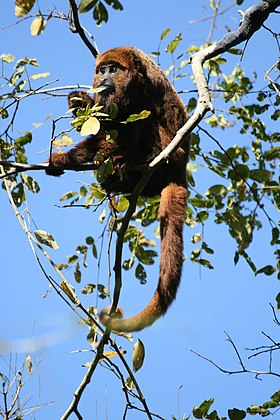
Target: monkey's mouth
[{"x": 107, "y": 90}]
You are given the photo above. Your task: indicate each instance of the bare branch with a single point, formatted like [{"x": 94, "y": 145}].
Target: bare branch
[{"x": 257, "y": 373}]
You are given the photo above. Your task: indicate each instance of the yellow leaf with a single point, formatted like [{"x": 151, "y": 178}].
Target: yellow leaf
[
  {"x": 46, "y": 238},
  {"x": 38, "y": 25},
  {"x": 91, "y": 126},
  {"x": 129, "y": 383},
  {"x": 110, "y": 354},
  {"x": 28, "y": 363},
  {"x": 23, "y": 7},
  {"x": 38, "y": 76},
  {"x": 70, "y": 291}
]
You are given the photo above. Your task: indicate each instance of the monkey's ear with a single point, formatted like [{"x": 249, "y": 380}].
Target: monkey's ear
[{"x": 79, "y": 99}]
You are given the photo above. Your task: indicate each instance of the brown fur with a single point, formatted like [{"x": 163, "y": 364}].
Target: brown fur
[{"x": 137, "y": 85}]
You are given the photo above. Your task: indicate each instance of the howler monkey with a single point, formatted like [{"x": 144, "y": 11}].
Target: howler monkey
[{"x": 134, "y": 83}]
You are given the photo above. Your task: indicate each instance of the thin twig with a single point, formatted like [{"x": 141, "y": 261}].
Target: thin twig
[
  {"x": 221, "y": 12},
  {"x": 213, "y": 23},
  {"x": 257, "y": 373}
]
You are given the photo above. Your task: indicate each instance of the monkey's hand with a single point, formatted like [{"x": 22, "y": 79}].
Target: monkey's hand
[
  {"x": 79, "y": 99},
  {"x": 56, "y": 160}
]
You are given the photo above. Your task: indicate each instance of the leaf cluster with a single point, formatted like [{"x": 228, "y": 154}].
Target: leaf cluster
[{"x": 99, "y": 10}]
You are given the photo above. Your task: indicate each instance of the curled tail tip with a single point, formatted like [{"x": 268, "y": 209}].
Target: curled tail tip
[
  {"x": 136, "y": 323},
  {"x": 107, "y": 319}
]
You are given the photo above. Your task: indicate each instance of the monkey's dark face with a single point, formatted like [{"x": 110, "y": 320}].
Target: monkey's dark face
[
  {"x": 110, "y": 76},
  {"x": 118, "y": 80},
  {"x": 105, "y": 76}
]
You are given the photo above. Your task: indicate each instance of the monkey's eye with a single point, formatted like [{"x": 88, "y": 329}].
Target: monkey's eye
[
  {"x": 114, "y": 68},
  {"x": 101, "y": 70}
]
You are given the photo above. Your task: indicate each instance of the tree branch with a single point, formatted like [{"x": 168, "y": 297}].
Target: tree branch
[
  {"x": 78, "y": 29},
  {"x": 243, "y": 369}
]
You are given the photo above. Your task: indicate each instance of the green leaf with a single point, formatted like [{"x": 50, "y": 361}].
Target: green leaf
[
  {"x": 70, "y": 291},
  {"x": 268, "y": 270},
  {"x": 46, "y": 238},
  {"x": 129, "y": 383},
  {"x": 278, "y": 301},
  {"x": 135, "y": 117},
  {"x": 154, "y": 54},
  {"x": 23, "y": 7},
  {"x": 88, "y": 289},
  {"x": 72, "y": 259},
  {"x": 164, "y": 33},
  {"x": 21, "y": 141},
  {"x": 240, "y": 172},
  {"x": 68, "y": 195},
  {"x": 83, "y": 249},
  {"x": 89, "y": 240},
  {"x": 204, "y": 263},
  {"x": 202, "y": 410},
  {"x": 191, "y": 106},
  {"x": 94, "y": 250},
  {"x": 196, "y": 238},
  {"x": 272, "y": 154},
  {"x": 24, "y": 61},
  {"x": 140, "y": 273},
  {"x": 123, "y": 204},
  {"x": 106, "y": 169},
  {"x": 217, "y": 190},
  {"x": 236, "y": 414},
  {"x": 103, "y": 291},
  {"x": 145, "y": 256},
  {"x": 30, "y": 183},
  {"x": 174, "y": 44},
  {"x": 206, "y": 248},
  {"x": 235, "y": 51},
  {"x": 86, "y": 5},
  {"x": 201, "y": 202},
  {"x": 3, "y": 113},
  {"x": 77, "y": 273},
  {"x": 113, "y": 111},
  {"x": 115, "y": 3},
  {"x": 276, "y": 396},
  {"x": 256, "y": 409},
  {"x": 249, "y": 261},
  {"x": 260, "y": 175},
  {"x": 202, "y": 216},
  {"x": 138, "y": 355},
  {"x": 100, "y": 14},
  {"x": 275, "y": 236}
]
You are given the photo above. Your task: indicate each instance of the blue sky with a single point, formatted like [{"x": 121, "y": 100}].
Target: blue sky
[{"x": 228, "y": 298}]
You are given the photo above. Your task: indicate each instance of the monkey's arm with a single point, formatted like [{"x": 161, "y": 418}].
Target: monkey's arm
[
  {"x": 84, "y": 152},
  {"x": 79, "y": 99},
  {"x": 86, "y": 149}
]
